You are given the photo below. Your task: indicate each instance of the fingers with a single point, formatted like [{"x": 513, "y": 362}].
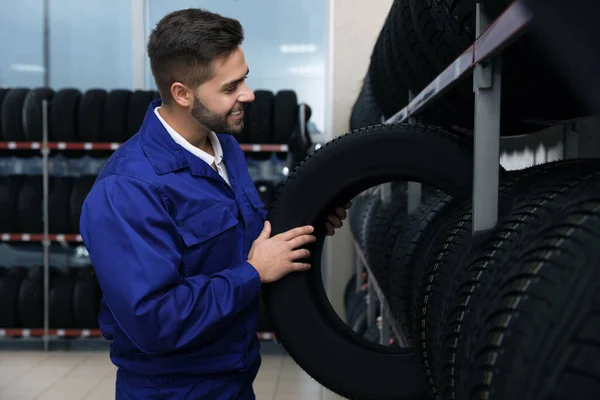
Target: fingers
[
  {"x": 301, "y": 241},
  {"x": 266, "y": 232},
  {"x": 300, "y": 266},
  {"x": 341, "y": 212},
  {"x": 299, "y": 254},
  {"x": 294, "y": 233},
  {"x": 335, "y": 221},
  {"x": 330, "y": 229}
]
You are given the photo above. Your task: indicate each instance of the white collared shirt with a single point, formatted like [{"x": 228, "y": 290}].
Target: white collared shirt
[{"x": 214, "y": 140}]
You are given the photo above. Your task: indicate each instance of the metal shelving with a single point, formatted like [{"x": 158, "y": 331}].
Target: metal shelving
[
  {"x": 482, "y": 59},
  {"x": 46, "y": 239}
]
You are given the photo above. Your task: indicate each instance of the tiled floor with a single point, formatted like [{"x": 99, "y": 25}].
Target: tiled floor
[{"x": 89, "y": 375}]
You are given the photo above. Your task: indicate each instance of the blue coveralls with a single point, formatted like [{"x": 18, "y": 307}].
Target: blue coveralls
[{"x": 169, "y": 239}]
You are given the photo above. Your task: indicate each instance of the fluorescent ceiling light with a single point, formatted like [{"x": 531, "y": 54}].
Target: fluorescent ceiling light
[{"x": 298, "y": 48}]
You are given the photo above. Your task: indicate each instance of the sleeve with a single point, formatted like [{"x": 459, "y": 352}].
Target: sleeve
[{"x": 134, "y": 249}]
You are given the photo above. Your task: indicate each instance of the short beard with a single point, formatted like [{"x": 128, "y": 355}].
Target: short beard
[{"x": 213, "y": 121}]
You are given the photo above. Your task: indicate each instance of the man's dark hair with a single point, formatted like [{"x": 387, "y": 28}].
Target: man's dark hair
[{"x": 184, "y": 43}]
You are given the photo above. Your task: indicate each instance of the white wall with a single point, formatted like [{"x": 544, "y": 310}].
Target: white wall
[{"x": 354, "y": 27}]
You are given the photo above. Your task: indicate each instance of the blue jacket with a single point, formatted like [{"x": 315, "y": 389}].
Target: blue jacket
[{"x": 169, "y": 240}]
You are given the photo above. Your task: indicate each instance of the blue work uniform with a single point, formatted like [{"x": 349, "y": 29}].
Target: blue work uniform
[{"x": 169, "y": 239}]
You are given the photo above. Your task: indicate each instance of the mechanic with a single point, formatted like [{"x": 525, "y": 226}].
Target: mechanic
[{"x": 176, "y": 231}]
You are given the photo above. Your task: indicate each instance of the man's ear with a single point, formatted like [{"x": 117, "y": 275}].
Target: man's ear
[{"x": 182, "y": 95}]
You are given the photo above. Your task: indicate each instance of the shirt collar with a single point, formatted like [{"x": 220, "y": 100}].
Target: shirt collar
[{"x": 180, "y": 140}]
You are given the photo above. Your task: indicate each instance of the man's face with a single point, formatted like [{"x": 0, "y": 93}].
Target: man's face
[{"x": 219, "y": 103}]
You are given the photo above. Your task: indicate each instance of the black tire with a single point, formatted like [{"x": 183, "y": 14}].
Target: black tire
[
  {"x": 378, "y": 250},
  {"x": 479, "y": 276},
  {"x": 285, "y": 116},
  {"x": 115, "y": 117},
  {"x": 539, "y": 334},
  {"x": 355, "y": 214},
  {"x": 10, "y": 187},
  {"x": 411, "y": 248},
  {"x": 369, "y": 212},
  {"x": 59, "y": 220},
  {"x": 12, "y": 115},
  {"x": 436, "y": 285},
  {"x": 33, "y": 115},
  {"x": 3, "y": 93},
  {"x": 260, "y": 117},
  {"x": 81, "y": 188},
  {"x": 31, "y": 299},
  {"x": 90, "y": 123},
  {"x": 365, "y": 111},
  {"x": 30, "y": 205},
  {"x": 264, "y": 322},
  {"x": 87, "y": 297},
  {"x": 10, "y": 282},
  {"x": 60, "y": 305},
  {"x": 64, "y": 113},
  {"x": 304, "y": 321},
  {"x": 138, "y": 106}
]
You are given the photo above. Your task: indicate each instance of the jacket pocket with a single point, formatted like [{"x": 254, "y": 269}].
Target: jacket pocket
[
  {"x": 207, "y": 224},
  {"x": 254, "y": 198}
]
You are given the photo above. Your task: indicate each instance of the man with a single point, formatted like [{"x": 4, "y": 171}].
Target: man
[{"x": 176, "y": 230}]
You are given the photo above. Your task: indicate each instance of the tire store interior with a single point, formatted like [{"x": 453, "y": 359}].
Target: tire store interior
[{"x": 462, "y": 136}]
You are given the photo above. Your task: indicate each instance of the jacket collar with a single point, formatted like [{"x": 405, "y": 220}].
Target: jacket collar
[{"x": 165, "y": 155}]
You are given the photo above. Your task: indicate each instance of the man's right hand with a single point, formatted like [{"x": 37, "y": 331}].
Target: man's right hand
[{"x": 275, "y": 257}]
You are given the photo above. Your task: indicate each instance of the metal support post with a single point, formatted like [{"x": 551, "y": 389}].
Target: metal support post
[
  {"x": 384, "y": 332},
  {"x": 359, "y": 269},
  {"x": 413, "y": 189},
  {"x": 487, "y": 87},
  {"x": 46, "y": 241},
  {"x": 371, "y": 303}
]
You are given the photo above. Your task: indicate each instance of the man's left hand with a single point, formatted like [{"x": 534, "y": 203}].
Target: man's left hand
[{"x": 334, "y": 221}]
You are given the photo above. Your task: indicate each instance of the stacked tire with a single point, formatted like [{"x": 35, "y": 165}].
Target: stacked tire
[
  {"x": 421, "y": 38},
  {"x": 96, "y": 115},
  {"x": 502, "y": 314},
  {"x": 74, "y": 298}
]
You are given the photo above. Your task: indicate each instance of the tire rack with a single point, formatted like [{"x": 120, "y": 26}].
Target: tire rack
[
  {"x": 482, "y": 59},
  {"x": 46, "y": 239}
]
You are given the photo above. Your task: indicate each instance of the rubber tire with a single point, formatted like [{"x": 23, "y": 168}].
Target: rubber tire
[
  {"x": 377, "y": 250},
  {"x": 437, "y": 283},
  {"x": 59, "y": 221},
  {"x": 116, "y": 111},
  {"x": 10, "y": 187},
  {"x": 87, "y": 297},
  {"x": 139, "y": 103},
  {"x": 60, "y": 305},
  {"x": 411, "y": 248},
  {"x": 90, "y": 123},
  {"x": 477, "y": 279},
  {"x": 10, "y": 282},
  {"x": 368, "y": 215},
  {"x": 285, "y": 116},
  {"x": 63, "y": 115},
  {"x": 81, "y": 188},
  {"x": 365, "y": 111},
  {"x": 260, "y": 117},
  {"x": 547, "y": 311},
  {"x": 3, "y": 93},
  {"x": 12, "y": 115},
  {"x": 30, "y": 205},
  {"x": 304, "y": 320},
  {"x": 33, "y": 113},
  {"x": 31, "y": 299}
]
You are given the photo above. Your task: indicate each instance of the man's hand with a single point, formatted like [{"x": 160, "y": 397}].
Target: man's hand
[
  {"x": 334, "y": 221},
  {"x": 275, "y": 257}
]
